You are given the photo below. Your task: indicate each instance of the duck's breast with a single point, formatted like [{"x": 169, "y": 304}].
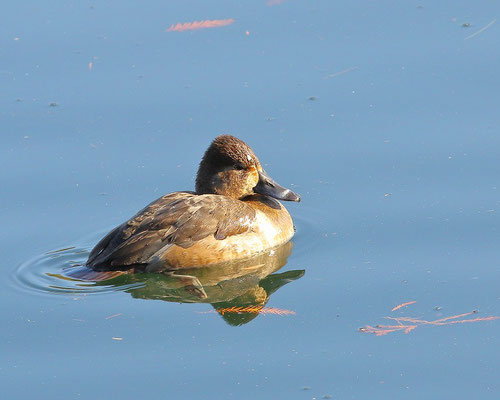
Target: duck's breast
[{"x": 271, "y": 227}]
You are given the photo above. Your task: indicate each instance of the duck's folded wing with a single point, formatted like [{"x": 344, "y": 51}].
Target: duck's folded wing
[{"x": 178, "y": 219}]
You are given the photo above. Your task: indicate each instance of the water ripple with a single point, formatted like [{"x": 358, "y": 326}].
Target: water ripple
[
  {"x": 307, "y": 222},
  {"x": 50, "y": 273}
]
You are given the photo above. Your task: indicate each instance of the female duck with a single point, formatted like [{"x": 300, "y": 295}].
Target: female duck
[{"x": 233, "y": 214}]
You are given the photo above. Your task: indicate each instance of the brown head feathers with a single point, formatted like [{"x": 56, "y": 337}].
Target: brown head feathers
[{"x": 229, "y": 167}]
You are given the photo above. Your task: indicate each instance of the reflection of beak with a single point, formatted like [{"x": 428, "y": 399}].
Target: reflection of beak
[{"x": 268, "y": 187}]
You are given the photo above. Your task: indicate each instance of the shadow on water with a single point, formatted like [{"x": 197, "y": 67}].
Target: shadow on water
[{"x": 238, "y": 291}]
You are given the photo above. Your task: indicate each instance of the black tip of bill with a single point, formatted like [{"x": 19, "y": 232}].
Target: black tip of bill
[{"x": 268, "y": 187}]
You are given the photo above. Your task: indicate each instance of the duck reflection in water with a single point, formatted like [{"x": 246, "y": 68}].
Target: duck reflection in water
[{"x": 246, "y": 283}]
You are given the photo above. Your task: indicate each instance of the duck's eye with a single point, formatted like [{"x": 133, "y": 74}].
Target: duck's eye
[{"x": 239, "y": 166}]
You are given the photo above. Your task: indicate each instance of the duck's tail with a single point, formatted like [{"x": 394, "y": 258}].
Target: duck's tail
[{"x": 84, "y": 273}]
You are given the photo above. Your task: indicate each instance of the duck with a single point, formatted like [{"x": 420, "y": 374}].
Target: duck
[{"x": 234, "y": 213}]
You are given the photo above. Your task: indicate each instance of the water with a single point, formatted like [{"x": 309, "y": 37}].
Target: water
[{"x": 382, "y": 115}]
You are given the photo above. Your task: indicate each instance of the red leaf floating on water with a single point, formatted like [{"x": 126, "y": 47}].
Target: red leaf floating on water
[{"x": 191, "y": 26}]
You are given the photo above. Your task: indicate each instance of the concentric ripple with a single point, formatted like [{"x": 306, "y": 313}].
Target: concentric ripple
[{"x": 55, "y": 273}]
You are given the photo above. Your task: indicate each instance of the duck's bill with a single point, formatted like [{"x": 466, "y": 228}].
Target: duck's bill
[{"x": 268, "y": 187}]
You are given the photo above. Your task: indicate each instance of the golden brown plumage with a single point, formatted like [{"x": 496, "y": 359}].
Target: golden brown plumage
[{"x": 232, "y": 215}]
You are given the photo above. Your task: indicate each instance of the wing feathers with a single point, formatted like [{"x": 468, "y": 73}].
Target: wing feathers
[{"x": 180, "y": 219}]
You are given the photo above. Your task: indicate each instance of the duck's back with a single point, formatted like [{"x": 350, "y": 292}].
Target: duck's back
[{"x": 176, "y": 221}]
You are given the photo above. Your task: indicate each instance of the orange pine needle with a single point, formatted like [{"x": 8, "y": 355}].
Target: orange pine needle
[
  {"x": 254, "y": 310},
  {"x": 91, "y": 64},
  {"x": 191, "y": 26},
  {"x": 403, "y": 305},
  {"x": 409, "y": 328},
  {"x": 464, "y": 321},
  {"x": 453, "y": 317},
  {"x": 408, "y": 319},
  {"x": 380, "y": 330}
]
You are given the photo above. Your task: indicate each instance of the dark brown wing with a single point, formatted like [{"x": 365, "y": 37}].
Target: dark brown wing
[{"x": 179, "y": 218}]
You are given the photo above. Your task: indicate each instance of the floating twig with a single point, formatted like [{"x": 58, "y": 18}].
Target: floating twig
[
  {"x": 61, "y": 250},
  {"x": 344, "y": 71},
  {"x": 481, "y": 30}
]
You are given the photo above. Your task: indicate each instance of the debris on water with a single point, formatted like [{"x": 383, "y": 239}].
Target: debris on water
[
  {"x": 189, "y": 26},
  {"x": 404, "y": 305},
  {"x": 327, "y": 396},
  {"x": 53, "y": 104},
  {"x": 344, "y": 71},
  {"x": 481, "y": 30},
  {"x": 437, "y": 308},
  {"x": 61, "y": 250},
  {"x": 117, "y": 338},
  {"x": 312, "y": 98},
  {"x": 465, "y": 25},
  {"x": 408, "y": 324},
  {"x": 306, "y": 388}
]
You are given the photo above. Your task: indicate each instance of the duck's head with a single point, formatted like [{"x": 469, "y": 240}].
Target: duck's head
[{"x": 231, "y": 168}]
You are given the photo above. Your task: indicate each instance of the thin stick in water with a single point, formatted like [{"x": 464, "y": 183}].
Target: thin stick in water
[{"x": 480, "y": 30}]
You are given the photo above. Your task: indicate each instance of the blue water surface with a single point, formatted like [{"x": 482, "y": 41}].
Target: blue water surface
[{"x": 383, "y": 115}]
